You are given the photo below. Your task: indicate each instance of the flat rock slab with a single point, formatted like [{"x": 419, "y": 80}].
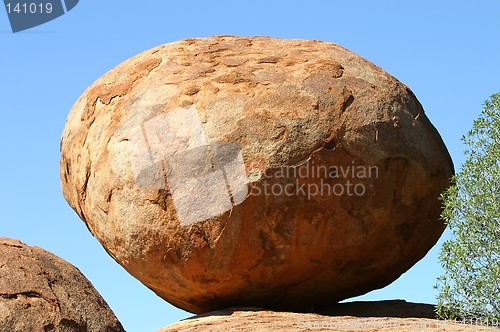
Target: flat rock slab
[{"x": 390, "y": 316}]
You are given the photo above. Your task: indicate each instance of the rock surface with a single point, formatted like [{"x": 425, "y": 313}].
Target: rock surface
[
  {"x": 40, "y": 292},
  {"x": 388, "y": 316},
  {"x": 233, "y": 171}
]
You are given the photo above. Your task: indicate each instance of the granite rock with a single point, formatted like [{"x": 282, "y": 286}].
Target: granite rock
[
  {"x": 285, "y": 174},
  {"x": 40, "y": 292}
]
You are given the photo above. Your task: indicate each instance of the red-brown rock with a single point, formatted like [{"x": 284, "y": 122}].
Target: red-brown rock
[
  {"x": 228, "y": 171},
  {"x": 387, "y": 316},
  {"x": 41, "y": 292}
]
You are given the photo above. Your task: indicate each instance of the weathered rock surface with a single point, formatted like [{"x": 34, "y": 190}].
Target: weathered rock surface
[
  {"x": 386, "y": 316},
  {"x": 40, "y": 292},
  {"x": 227, "y": 171}
]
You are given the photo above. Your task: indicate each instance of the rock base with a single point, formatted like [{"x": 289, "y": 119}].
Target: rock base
[{"x": 397, "y": 315}]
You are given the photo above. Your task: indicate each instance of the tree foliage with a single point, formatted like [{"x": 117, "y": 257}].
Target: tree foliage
[{"x": 470, "y": 286}]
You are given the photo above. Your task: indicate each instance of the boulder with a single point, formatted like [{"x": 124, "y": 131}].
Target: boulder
[
  {"x": 387, "y": 316},
  {"x": 284, "y": 174},
  {"x": 41, "y": 292}
]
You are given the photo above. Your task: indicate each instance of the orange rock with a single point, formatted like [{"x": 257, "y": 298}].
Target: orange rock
[
  {"x": 384, "y": 316},
  {"x": 226, "y": 171},
  {"x": 41, "y": 292}
]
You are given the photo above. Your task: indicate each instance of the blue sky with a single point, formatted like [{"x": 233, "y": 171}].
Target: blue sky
[{"x": 447, "y": 52}]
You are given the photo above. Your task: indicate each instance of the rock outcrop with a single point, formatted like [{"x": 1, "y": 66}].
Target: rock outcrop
[
  {"x": 387, "y": 316},
  {"x": 231, "y": 171},
  {"x": 40, "y": 292}
]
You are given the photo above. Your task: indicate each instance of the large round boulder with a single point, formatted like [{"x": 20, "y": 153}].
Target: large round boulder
[
  {"x": 226, "y": 171},
  {"x": 41, "y": 292}
]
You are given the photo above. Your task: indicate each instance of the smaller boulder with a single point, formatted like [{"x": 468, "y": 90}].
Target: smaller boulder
[{"x": 41, "y": 292}]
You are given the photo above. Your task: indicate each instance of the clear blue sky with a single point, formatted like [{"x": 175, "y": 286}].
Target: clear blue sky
[{"x": 447, "y": 52}]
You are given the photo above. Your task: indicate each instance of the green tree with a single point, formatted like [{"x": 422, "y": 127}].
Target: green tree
[{"x": 470, "y": 286}]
